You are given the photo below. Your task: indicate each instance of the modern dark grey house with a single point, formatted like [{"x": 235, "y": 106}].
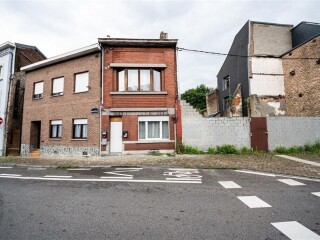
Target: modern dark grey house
[{"x": 251, "y": 80}]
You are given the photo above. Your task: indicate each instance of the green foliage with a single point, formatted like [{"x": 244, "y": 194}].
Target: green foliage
[
  {"x": 309, "y": 148},
  {"x": 180, "y": 148},
  {"x": 211, "y": 150},
  {"x": 197, "y": 97},
  {"x": 227, "y": 149},
  {"x": 281, "y": 150},
  {"x": 192, "y": 150},
  {"x": 245, "y": 150}
]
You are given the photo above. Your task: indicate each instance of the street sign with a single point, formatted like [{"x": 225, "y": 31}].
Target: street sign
[{"x": 1, "y": 120}]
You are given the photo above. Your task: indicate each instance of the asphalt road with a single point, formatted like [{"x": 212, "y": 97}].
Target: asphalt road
[{"x": 154, "y": 203}]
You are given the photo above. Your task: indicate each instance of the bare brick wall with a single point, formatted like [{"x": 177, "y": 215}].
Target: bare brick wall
[
  {"x": 67, "y": 107},
  {"x": 212, "y": 100},
  {"x": 302, "y": 85},
  {"x": 26, "y": 56}
]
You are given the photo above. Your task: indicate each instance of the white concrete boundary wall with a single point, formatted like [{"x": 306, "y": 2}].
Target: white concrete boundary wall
[
  {"x": 203, "y": 133},
  {"x": 292, "y": 131}
]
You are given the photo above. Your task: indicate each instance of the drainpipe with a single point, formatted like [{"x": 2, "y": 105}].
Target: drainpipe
[
  {"x": 101, "y": 96},
  {"x": 4, "y": 150}
]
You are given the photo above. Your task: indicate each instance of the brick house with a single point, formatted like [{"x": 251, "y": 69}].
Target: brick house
[
  {"x": 251, "y": 79},
  {"x": 140, "y": 95},
  {"x": 13, "y": 56},
  {"x": 61, "y": 105}
]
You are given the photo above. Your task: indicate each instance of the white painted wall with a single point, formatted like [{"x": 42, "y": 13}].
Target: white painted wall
[
  {"x": 292, "y": 131},
  {"x": 267, "y": 77},
  {"x": 5, "y": 62}
]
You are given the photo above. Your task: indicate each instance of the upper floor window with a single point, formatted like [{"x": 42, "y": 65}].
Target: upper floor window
[
  {"x": 226, "y": 83},
  {"x": 139, "y": 80},
  {"x": 80, "y": 128},
  {"x": 55, "y": 128},
  {"x": 81, "y": 83},
  {"x": 38, "y": 90},
  {"x": 57, "y": 86},
  {"x": 1, "y": 72}
]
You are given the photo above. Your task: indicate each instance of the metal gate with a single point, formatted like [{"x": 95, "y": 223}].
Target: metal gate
[{"x": 259, "y": 133}]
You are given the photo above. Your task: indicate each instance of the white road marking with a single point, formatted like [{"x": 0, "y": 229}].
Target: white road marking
[
  {"x": 98, "y": 180},
  {"x": 183, "y": 174},
  {"x": 55, "y": 176},
  {"x": 183, "y": 179},
  {"x": 5, "y": 167},
  {"x": 254, "y": 202},
  {"x": 36, "y": 168},
  {"x": 229, "y": 184},
  {"x": 184, "y": 169},
  {"x": 117, "y": 177},
  {"x": 300, "y": 160},
  {"x": 119, "y": 174},
  {"x": 257, "y": 173},
  {"x": 291, "y": 182},
  {"x": 10, "y": 175},
  {"x": 79, "y": 169},
  {"x": 295, "y": 231},
  {"x": 129, "y": 169},
  {"x": 316, "y": 193}
]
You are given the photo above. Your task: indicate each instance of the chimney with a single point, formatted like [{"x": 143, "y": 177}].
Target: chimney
[{"x": 163, "y": 35}]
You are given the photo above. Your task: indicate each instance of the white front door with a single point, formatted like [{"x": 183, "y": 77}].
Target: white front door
[{"x": 116, "y": 137}]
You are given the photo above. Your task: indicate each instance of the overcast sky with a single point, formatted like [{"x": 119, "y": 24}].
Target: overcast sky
[{"x": 58, "y": 26}]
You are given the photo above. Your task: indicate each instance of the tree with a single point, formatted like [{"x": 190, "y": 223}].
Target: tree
[{"x": 197, "y": 97}]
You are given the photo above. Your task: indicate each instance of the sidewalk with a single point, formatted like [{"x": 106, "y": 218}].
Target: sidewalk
[{"x": 259, "y": 162}]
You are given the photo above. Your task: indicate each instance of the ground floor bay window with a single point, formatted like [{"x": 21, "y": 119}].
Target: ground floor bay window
[{"x": 154, "y": 128}]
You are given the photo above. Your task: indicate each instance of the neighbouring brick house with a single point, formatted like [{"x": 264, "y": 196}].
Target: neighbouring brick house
[
  {"x": 255, "y": 63},
  {"x": 13, "y": 56},
  {"x": 301, "y": 67},
  {"x": 140, "y": 99},
  {"x": 61, "y": 105}
]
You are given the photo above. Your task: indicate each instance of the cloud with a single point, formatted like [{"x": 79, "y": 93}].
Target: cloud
[{"x": 56, "y": 27}]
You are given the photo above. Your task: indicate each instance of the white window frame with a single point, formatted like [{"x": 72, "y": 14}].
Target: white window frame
[
  {"x": 84, "y": 88},
  {"x": 55, "y": 123},
  {"x": 81, "y": 122},
  {"x": 1, "y": 72},
  {"x": 57, "y": 93},
  {"x": 147, "y": 119},
  {"x": 37, "y": 95}
]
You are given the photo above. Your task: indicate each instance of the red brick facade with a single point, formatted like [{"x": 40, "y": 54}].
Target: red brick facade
[
  {"x": 65, "y": 107},
  {"x": 131, "y": 106}
]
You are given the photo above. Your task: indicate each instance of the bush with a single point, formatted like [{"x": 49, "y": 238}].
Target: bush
[
  {"x": 227, "y": 149},
  {"x": 295, "y": 149},
  {"x": 180, "y": 148},
  {"x": 192, "y": 150},
  {"x": 245, "y": 150},
  {"x": 211, "y": 150},
  {"x": 281, "y": 150}
]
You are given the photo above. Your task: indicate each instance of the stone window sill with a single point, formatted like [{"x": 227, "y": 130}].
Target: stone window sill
[
  {"x": 139, "y": 93},
  {"x": 79, "y": 139}
]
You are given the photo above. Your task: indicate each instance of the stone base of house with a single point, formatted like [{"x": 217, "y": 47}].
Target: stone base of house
[{"x": 51, "y": 150}]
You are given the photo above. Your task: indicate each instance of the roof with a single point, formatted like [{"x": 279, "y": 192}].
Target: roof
[
  {"x": 6, "y": 45},
  {"x": 268, "y": 23},
  {"x": 134, "y": 42},
  {"x": 63, "y": 57},
  {"x": 304, "y": 22},
  {"x": 292, "y": 49},
  {"x": 19, "y": 45}
]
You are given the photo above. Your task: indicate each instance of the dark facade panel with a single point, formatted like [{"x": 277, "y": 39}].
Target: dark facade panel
[
  {"x": 304, "y": 32},
  {"x": 236, "y": 67}
]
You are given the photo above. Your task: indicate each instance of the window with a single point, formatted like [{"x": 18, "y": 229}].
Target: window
[
  {"x": 55, "y": 128},
  {"x": 80, "y": 128},
  {"x": 153, "y": 128},
  {"x": 38, "y": 90},
  {"x": 57, "y": 86},
  {"x": 1, "y": 73},
  {"x": 81, "y": 83},
  {"x": 226, "y": 83},
  {"x": 139, "y": 80}
]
